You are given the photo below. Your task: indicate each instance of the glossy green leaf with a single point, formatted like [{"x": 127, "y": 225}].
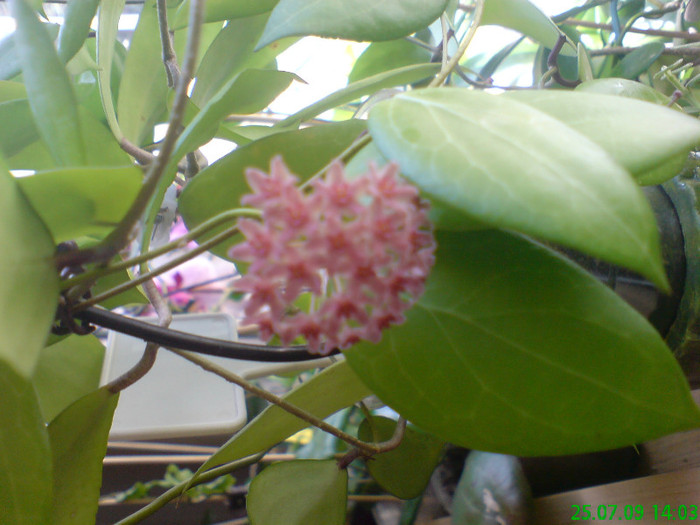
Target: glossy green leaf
[
  {"x": 217, "y": 10},
  {"x": 491, "y": 491},
  {"x": 514, "y": 349},
  {"x": 107, "y": 25},
  {"x": 248, "y": 92},
  {"x": 143, "y": 89},
  {"x": 383, "y": 56},
  {"x": 93, "y": 200},
  {"x": 67, "y": 371},
  {"x": 526, "y": 18},
  {"x": 299, "y": 492},
  {"x": 50, "y": 93},
  {"x": 640, "y": 136},
  {"x": 220, "y": 186},
  {"x": 623, "y": 87},
  {"x": 406, "y": 470},
  {"x": 25, "y": 462},
  {"x": 78, "y": 444},
  {"x": 366, "y": 86},
  {"x": 230, "y": 53},
  {"x": 360, "y": 20},
  {"x": 334, "y": 388},
  {"x": 512, "y": 166},
  {"x": 76, "y": 26},
  {"x": 29, "y": 284},
  {"x": 638, "y": 61}
]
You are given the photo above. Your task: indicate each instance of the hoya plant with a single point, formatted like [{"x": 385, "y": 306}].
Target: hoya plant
[{"x": 410, "y": 222}]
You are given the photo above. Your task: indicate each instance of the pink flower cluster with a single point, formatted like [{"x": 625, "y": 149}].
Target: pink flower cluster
[{"x": 355, "y": 252}]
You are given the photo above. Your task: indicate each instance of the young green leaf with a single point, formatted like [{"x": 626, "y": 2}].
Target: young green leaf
[
  {"x": 384, "y": 56},
  {"x": 107, "y": 26},
  {"x": 76, "y": 27},
  {"x": 640, "y": 136},
  {"x": 334, "y": 388},
  {"x": 406, "y": 470},
  {"x": 360, "y": 20},
  {"x": 67, "y": 371},
  {"x": 492, "y": 490},
  {"x": 220, "y": 186},
  {"x": 78, "y": 445},
  {"x": 638, "y": 61},
  {"x": 299, "y": 492},
  {"x": 29, "y": 286},
  {"x": 526, "y": 18},
  {"x": 25, "y": 476},
  {"x": 512, "y": 166},
  {"x": 49, "y": 90},
  {"x": 92, "y": 200},
  {"x": 532, "y": 357}
]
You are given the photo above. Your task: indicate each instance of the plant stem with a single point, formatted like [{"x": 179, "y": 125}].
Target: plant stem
[
  {"x": 454, "y": 61},
  {"x": 176, "y": 491},
  {"x": 689, "y": 50},
  {"x": 364, "y": 448},
  {"x": 172, "y": 70},
  {"x": 692, "y": 37},
  {"x": 173, "y": 245}
]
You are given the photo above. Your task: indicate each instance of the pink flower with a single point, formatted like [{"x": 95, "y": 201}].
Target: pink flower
[{"x": 360, "y": 249}]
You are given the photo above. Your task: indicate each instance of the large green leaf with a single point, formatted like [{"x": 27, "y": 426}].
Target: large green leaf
[
  {"x": 514, "y": 349},
  {"x": 15, "y": 138},
  {"x": 512, "y": 166},
  {"x": 526, "y": 18},
  {"x": 359, "y": 20},
  {"x": 107, "y": 25},
  {"x": 406, "y": 470},
  {"x": 76, "y": 26},
  {"x": 332, "y": 389},
  {"x": 49, "y": 90},
  {"x": 218, "y": 10},
  {"x": 220, "y": 186},
  {"x": 383, "y": 56},
  {"x": 25, "y": 458},
  {"x": 623, "y": 87},
  {"x": 366, "y": 86},
  {"x": 93, "y": 200},
  {"x": 491, "y": 491},
  {"x": 299, "y": 492},
  {"x": 638, "y": 61},
  {"x": 248, "y": 92},
  {"x": 640, "y": 136},
  {"x": 143, "y": 89},
  {"x": 78, "y": 444},
  {"x": 29, "y": 284},
  {"x": 67, "y": 371},
  {"x": 10, "y": 61}
]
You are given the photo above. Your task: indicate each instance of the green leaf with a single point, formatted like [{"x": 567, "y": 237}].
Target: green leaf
[
  {"x": 514, "y": 349},
  {"x": 131, "y": 296},
  {"x": 93, "y": 200},
  {"x": 29, "y": 284},
  {"x": 383, "y": 56},
  {"x": 107, "y": 25},
  {"x": 78, "y": 445},
  {"x": 220, "y": 186},
  {"x": 144, "y": 87},
  {"x": 76, "y": 27},
  {"x": 360, "y": 20},
  {"x": 248, "y": 92},
  {"x": 334, "y": 388},
  {"x": 406, "y": 470},
  {"x": 218, "y": 10},
  {"x": 640, "y": 136},
  {"x": 15, "y": 138},
  {"x": 11, "y": 91},
  {"x": 638, "y": 61},
  {"x": 25, "y": 462},
  {"x": 49, "y": 90},
  {"x": 10, "y": 62},
  {"x": 67, "y": 371},
  {"x": 512, "y": 166},
  {"x": 623, "y": 87},
  {"x": 526, "y": 18},
  {"x": 299, "y": 492},
  {"x": 492, "y": 490},
  {"x": 230, "y": 53},
  {"x": 366, "y": 86}
]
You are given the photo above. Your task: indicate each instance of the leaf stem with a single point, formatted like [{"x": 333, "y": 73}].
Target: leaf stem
[
  {"x": 180, "y": 488},
  {"x": 439, "y": 80}
]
